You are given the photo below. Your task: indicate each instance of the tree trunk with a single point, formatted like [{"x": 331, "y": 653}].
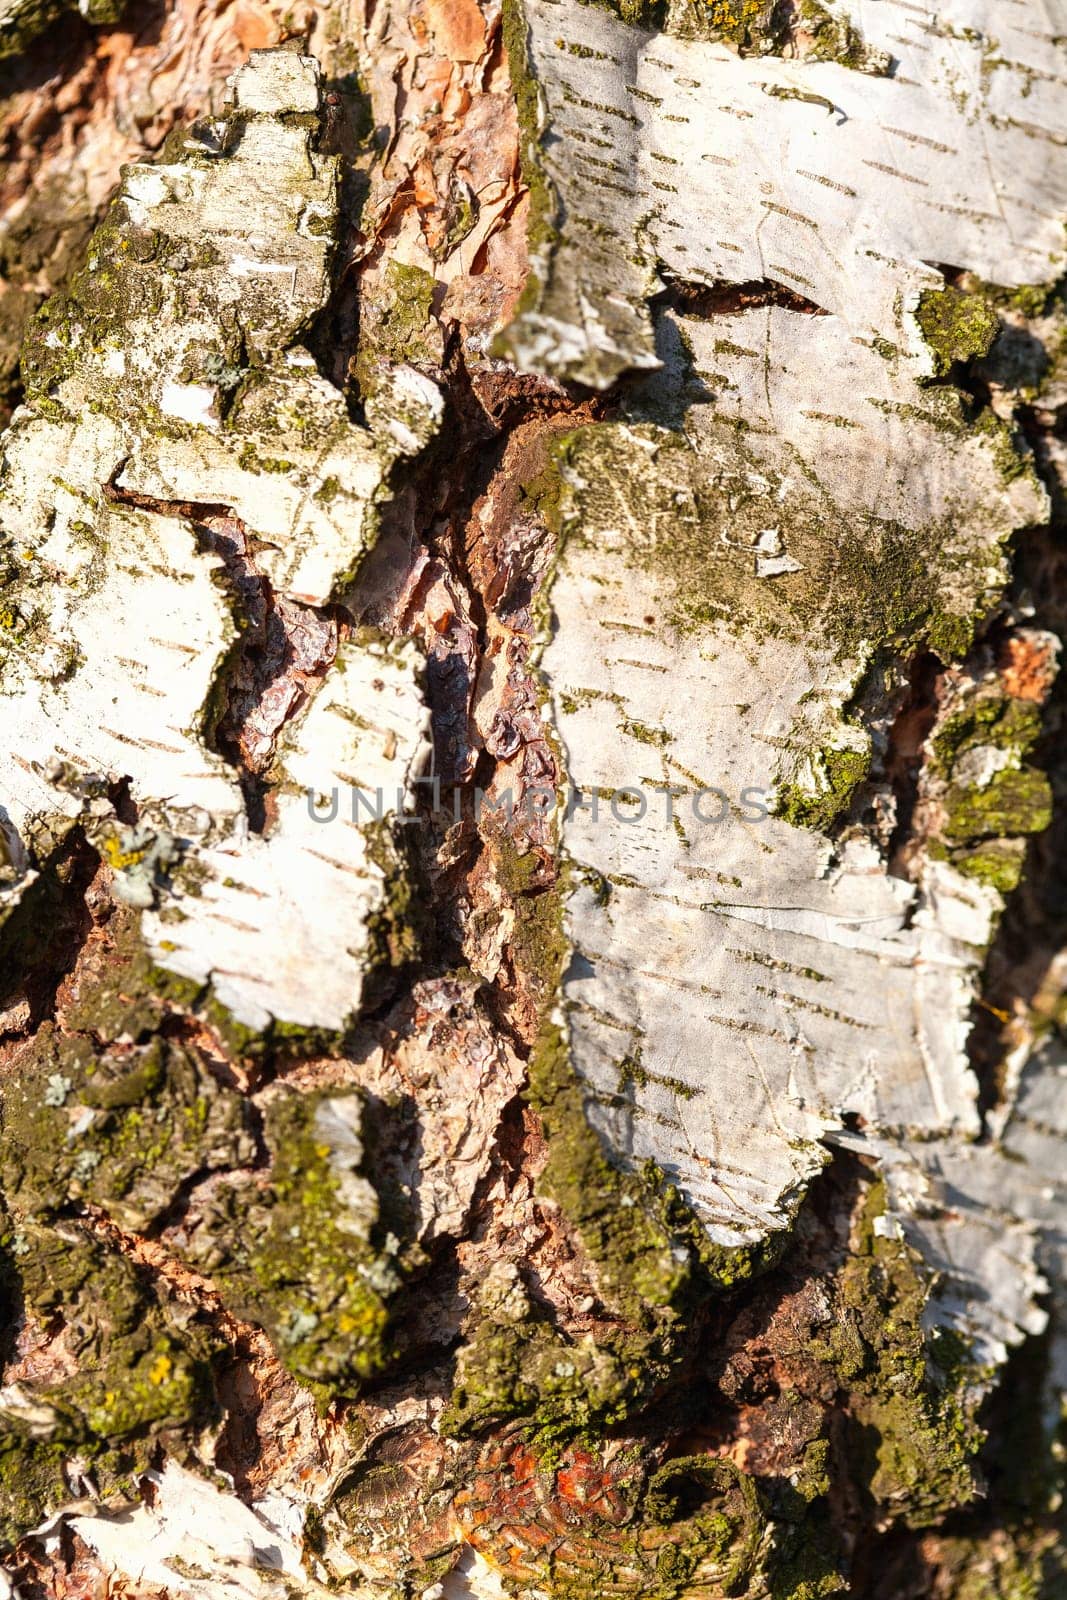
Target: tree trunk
[{"x": 531, "y": 843}]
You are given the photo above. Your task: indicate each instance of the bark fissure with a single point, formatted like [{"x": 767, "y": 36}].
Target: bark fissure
[
  {"x": 727, "y": 298},
  {"x": 284, "y": 649}
]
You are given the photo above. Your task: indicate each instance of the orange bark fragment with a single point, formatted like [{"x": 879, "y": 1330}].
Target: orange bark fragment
[
  {"x": 1028, "y": 665},
  {"x": 458, "y": 28}
]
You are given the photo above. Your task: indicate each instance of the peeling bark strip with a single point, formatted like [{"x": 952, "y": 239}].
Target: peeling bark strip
[
  {"x": 778, "y": 511},
  {"x": 642, "y": 1178}
]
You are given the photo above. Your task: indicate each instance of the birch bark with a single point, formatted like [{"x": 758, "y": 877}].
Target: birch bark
[{"x": 531, "y": 859}]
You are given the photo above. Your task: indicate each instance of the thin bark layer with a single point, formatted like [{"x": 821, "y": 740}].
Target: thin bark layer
[{"x": 529, "y": 873}]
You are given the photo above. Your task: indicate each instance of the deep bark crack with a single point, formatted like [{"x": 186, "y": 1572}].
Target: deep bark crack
[{"x": 284, "y": 650}]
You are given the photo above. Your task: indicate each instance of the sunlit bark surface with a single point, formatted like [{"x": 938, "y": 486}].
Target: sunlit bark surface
[{"x": 532, "y": 880}]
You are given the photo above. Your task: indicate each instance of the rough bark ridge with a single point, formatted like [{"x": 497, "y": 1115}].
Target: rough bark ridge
[{"x": 531, "y": 851}]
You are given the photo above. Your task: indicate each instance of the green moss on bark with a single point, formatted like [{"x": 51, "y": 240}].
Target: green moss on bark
[
  {"x": 990, "y": 799},
  {"x": 641, "y": 1266},
  {"x": 1011, "y": 803},
  {"x": 125, "y": 1124},
  {"x": 758, "y": 28},
  {"x": 300, "y": 1254},
  {"x": 514, "y": 1365},
  {"x": 398, "y": 325},
  {"x": 143, "y": 1374},
  {"x": 122, "y": 1128},
  {"x": 841, "y": 772},
  {"x": 957, "y": 326},
  {"x": 999, "y": 721},
  {"x": 998, "y": 863},
  {"x": 912, "y": 1400},
  {"x": 804, "y": 1563}
]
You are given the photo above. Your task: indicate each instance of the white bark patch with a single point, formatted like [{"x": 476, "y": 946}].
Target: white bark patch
[
  {"x": 265, "y": 915},
  {"x": 760, "y": 985},
  {"x": 990, "y": 1219},
  {"x": 197, "y": 1540},
  {"x": 674, "y": 155},
  {"x": 134, "y": 631},
  {"x": 788, "y": 496},
  {"x": 971, "y": 1217},
  {"x": 171, "y": 375},
  {"x": 16, "y": 875},
  {"x": 472, "y": 1579}
]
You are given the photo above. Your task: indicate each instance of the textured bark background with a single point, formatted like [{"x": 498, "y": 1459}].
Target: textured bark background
[{"x": 532, "y": 866}]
